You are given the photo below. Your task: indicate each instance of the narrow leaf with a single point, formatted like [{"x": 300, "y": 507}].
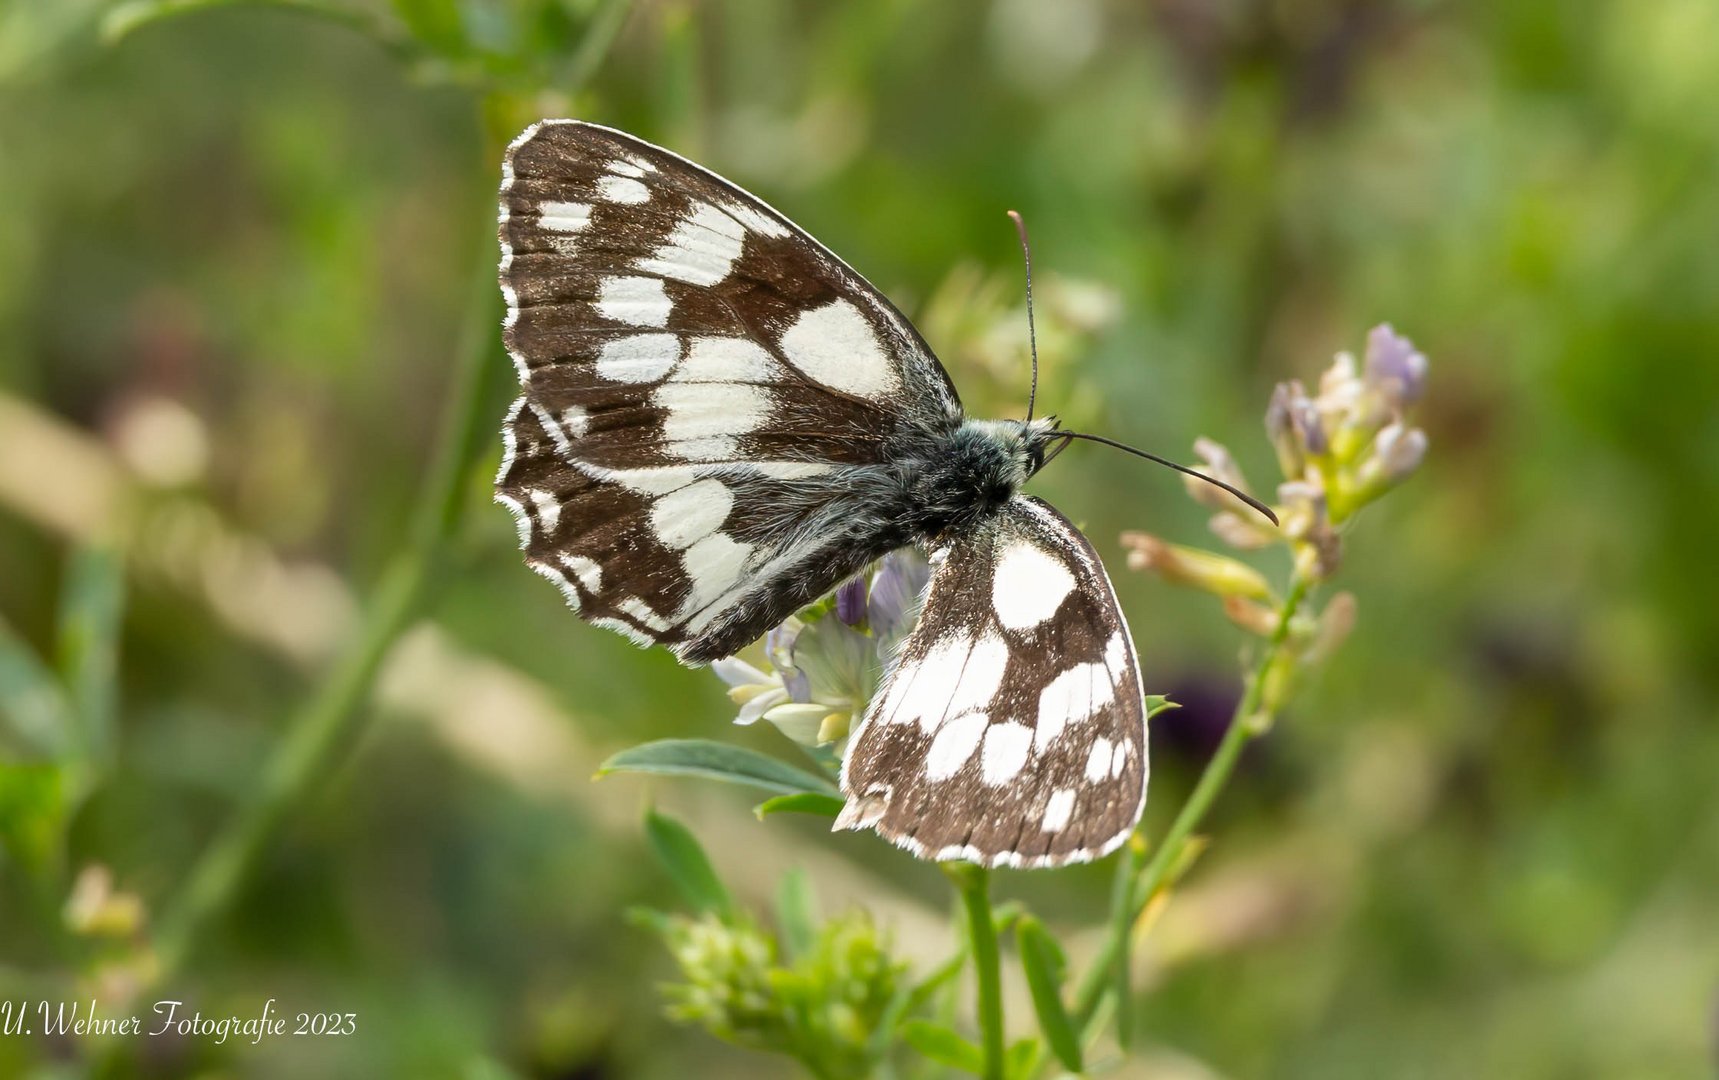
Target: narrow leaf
[
  {"x": 797, "y": 912},
  {"x": 943, "y": 1046},
  {"x": 684, "y": 859},
  {"x": 1042, "y": 960},
  {"x": 1157, "y": 703},
  {"x": 805, "y": 802},
  {"x": 35, "y": 717},
  {"x": 90, "y": 611},
  {"x": 716, "y": 761}
]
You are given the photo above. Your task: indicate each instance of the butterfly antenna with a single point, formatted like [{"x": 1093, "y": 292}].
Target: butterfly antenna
[
  {"x": 1137, "y": 452},
  {"x": 1032, "y": 334}
]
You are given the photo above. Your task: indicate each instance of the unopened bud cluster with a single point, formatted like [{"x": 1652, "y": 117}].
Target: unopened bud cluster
[
  {"x": 820, "y": 1007},
  {"x": 1338, "y": 450}
]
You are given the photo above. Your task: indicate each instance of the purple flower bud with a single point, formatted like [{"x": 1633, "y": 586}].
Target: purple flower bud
[
  {"x": 850, "y": 602},
  {"x": 895, "y": 593},
  {"x": 1395, "y": 368},
  {"x": 1281, "y": 431},
  {"x": 779, "y": 647},
  {"x": 1309, "y": 426}
]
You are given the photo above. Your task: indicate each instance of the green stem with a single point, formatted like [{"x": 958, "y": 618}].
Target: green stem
[
  {"x": 321, "y": 734},
  {"x": 974, "y": 883},
  {"x": 1134, "y": 892}
]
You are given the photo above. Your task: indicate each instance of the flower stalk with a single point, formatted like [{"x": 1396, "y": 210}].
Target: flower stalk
[
  {"x": 974, "y": 884},
  {"x": 1338, "y": 450}
]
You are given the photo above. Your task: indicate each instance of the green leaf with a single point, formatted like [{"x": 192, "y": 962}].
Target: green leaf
[
  {"x": 1157, "y": 703},
  {"x": 943, "y": 1046},
  {"x": 684, "y": 859},
  {"x": 1045, "y": 966},
  {"x": 804, "y": 802},
  {"x": 716, "y": 761},
  {"x": 31, "y": 813},
  {"x": 34, "y": 714},
  {"x": 1022, "y": 1060},
  {"x": 797, "y": 912},
  {"x": 90, "y": 611}
]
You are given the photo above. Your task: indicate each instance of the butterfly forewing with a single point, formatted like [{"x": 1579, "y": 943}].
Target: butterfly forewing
[
  {"x": 700, "y": 380},
  {"x": 1011, "y": 729}
]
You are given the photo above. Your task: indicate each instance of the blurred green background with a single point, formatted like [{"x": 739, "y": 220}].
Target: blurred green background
[{"x": 238, "y": 254}]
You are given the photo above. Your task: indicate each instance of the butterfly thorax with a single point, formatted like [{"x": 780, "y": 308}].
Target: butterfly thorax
[{"x": 964, "y": 476}]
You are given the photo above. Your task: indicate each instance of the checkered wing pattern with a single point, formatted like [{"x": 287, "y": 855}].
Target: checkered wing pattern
[
  {"x": 702, "y": 386},
  {"x": 1011, "y": 730}
]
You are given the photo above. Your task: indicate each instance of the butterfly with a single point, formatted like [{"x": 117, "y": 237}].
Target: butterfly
[{"x": 720, "y": 421}]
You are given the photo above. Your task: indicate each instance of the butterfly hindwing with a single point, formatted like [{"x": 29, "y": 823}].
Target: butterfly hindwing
[
  {"x": 703, "y": 386},
  {"x": 1011, "y": 729}
]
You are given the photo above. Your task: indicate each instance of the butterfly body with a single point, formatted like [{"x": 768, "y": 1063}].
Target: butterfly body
[{"x": 720, "y": 421}]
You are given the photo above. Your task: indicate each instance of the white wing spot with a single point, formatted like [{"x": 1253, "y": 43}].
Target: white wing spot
[
  {"x": 958, "y": 675},
  {"x": 585, "y": 569},
  {"x": 655, "y": 481},
  {"x": 1058, "y": 810},
  {"x": 1006, "y": 748},
  {"x": 1119, "y": 759},
  {"x": 701, "y": 250},
  {"x": 699, "y": 411},
  {"x": 713, "y": 564},
  {"x": 563, "y": 217},
  {"x": 756, "y": 220},
  {"x": 1116, "y": 653},
  {"x": 575, "y": 421},
  {"x": 640, "y": 358},
  {"x": 622, "y": 189},
  {"x": 727, "y": 359},
  {"x": 837, "y": 347},
  {"x": 623, "y": 167},
  {"x": 708, "y": 448},
  {"x": 694, "y": 512},
  {"x": 638, "y": 301},
  {"x": 548, "y": 509},
  {"x": 1028, "y": 587},
  {"x": 1098, "y": 760},
  {"x": 1073, "y": 696},
  {"x": 791, "y": 470},
  {"x": 954, "y": 745},
  {"x": 643, "y": 612}
]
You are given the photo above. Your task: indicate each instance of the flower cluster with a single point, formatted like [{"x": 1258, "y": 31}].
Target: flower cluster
[
  {"x": 823, "y": 664},
  {"x": 1338, "y": 450},
  {"x": 820, "y": 1006}
]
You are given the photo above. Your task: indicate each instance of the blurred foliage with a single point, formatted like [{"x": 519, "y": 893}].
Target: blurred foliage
[{"x": 237, "y": 247}]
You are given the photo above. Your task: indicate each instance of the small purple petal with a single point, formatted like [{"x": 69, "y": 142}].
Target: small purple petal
[
  {"x": 896, "y": 591},
  {"x": 850, "y": 602},
  {"x": 798, "y": 686},
  {"x": 1310, "y": 426},
  {"x": 1394, "y": 366},
  {"x": 779, "y": 644}
]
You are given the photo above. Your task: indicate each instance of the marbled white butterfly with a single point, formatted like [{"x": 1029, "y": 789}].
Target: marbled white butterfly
[{"x": 720, "y": 421}]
